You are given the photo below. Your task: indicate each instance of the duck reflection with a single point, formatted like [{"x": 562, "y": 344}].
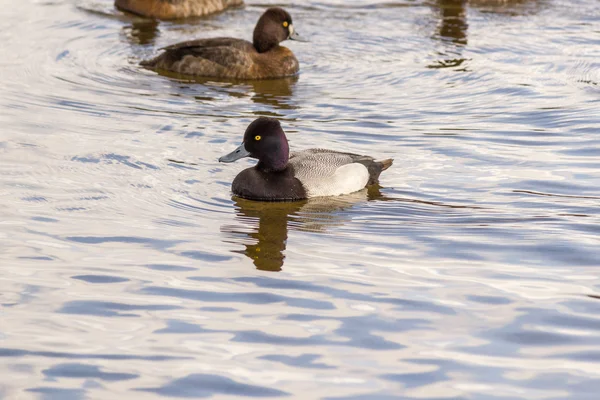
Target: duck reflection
[
  {"x": 142, "y": 31},
  {"x": 269, "y": 238},
  {"x": 452, "y": 26},
  {"x": 452, "y": 14},
  {"x": 273, "y": 93},
  {"x": 451, "y": 30},
  {"x": 264, "y": 225},
  {"x": 507, "y": 7}
]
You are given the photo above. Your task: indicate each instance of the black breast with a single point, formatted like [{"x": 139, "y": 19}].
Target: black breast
[{"x": 255, "y": 184}]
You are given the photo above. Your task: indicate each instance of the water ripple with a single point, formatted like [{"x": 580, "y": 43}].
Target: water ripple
[{"x": 471, "y": 272}]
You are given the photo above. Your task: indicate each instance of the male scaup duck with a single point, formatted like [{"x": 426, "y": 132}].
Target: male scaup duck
[
  {"x": 236, "y": 58},
  {"x": 281, "y": 176},
  {"x": 175, "y": 9}
]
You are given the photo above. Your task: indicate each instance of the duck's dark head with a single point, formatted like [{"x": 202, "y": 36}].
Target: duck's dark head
[
  {"x": 264, "y": 140},
  {"x": 273, "y": 27}
]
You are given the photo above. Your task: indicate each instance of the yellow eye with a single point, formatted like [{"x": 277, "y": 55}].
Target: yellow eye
[
  {"x": 257, "y": 137},
  {"x": 285, "y": 24}
]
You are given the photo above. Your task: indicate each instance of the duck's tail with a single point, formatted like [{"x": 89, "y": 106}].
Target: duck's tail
[
  {"x": 148, "y": 63},
  {"x": 376, "y": 168},
  {"x": 385, "y": 164}
]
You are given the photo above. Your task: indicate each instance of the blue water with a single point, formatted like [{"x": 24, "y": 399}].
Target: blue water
[{"x": 470, "y": 273}]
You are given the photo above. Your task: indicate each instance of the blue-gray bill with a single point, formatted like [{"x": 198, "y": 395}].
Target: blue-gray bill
[
  {"x": 294, "y": 36},
  {"x": 235, "y": 155}
]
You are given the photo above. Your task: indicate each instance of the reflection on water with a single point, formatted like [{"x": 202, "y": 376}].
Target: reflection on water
[
  {"x": 266, "y": 224},
  {"x": 453, "y": 21},
  {"x": 273, "y": 93},
  {"x": 141, "y": 31},
  {"x": 276, "y": 93},
  {"x": 452, "y": 24},
  {"x": 509, "y": 7},
  {"x": 451, "y": 31},
  {"x": 267, "y": 240}
]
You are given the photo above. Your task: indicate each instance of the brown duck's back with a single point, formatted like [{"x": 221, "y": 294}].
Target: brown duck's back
[
  {"x": 240, "y": 44},
  {"x": 174, "y": 9},
  {"x": 225, "y": 58}
]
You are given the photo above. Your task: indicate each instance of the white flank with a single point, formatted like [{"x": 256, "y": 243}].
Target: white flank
[{"x": 346, "y": 179}]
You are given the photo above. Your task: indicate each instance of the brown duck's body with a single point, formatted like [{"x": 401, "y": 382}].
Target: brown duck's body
[
  {"x": 231, "y": 58},
  {"x": 174, "y": 9},
  {"x": 225, "y": 58}
]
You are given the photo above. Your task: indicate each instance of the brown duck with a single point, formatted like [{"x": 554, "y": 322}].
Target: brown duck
[
  {"x": 234, "y": 58},
  {"x": 175, "y": 9}
]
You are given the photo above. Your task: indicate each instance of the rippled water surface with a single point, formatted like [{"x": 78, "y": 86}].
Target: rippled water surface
[{"x": 471, "y": 273}]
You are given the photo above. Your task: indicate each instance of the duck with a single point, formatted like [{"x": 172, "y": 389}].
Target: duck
[
  {"x": 175, "y": 9},
  {"x": 283, "y": 176},
  {"x": 231, "y": 58}
]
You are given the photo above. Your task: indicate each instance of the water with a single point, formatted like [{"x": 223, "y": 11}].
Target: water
[{"x": 471, "y": 273}]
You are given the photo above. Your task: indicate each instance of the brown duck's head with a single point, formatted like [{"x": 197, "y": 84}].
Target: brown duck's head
[{"x": 273, "y": 27}]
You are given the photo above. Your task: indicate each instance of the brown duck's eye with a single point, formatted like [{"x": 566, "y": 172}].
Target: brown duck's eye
[
  {"x": 285, "y": 24},
  {"x": 257, "y": 137}
]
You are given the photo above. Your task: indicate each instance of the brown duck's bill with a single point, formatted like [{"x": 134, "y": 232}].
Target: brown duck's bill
[
  {"x": 294, "y": 36},
  {"x": 235, "y": 155}
]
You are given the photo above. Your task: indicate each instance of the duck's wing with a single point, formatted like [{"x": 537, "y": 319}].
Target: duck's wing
[
  {"x": 211, "y": 42},
  {"x": 227, "y": 52},
  {"x": 327, "y": 172},
  {"x": 224, "y": 57},
  {"x": 329, "y": 160}
]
